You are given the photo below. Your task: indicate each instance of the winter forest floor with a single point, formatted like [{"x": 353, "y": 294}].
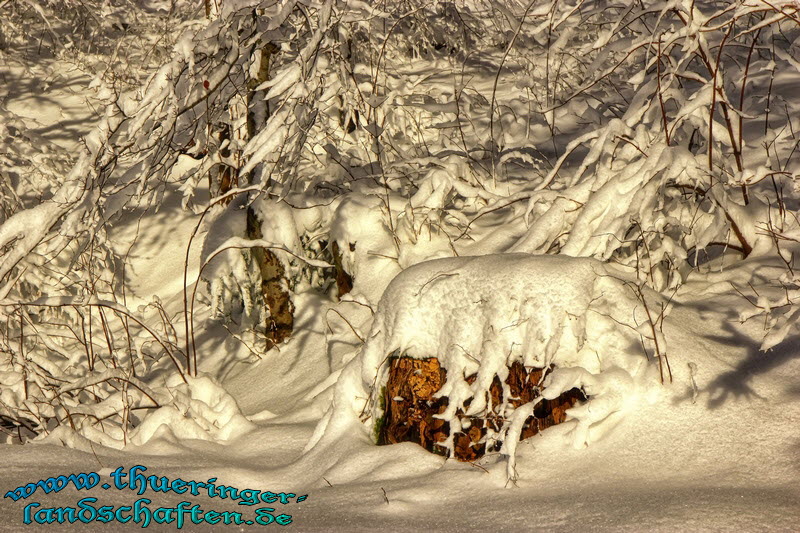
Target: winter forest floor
[{"x": 715, "y": 449}]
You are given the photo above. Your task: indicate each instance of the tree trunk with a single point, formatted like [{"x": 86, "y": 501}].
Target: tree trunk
[
  {"x": 245, "y": 117},
  {"x": 274, "y": 285}
]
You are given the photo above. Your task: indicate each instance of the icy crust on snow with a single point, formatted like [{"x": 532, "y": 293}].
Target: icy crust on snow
[{"x": 478, "y": 315}]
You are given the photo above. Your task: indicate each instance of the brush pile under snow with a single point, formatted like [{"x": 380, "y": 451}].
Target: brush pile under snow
[{"x": 478, "y": 315}]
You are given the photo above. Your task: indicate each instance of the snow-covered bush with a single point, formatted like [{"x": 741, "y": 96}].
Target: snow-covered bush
[
  {"x": 778, "y": 304},
  {"x": 114, "y": 39}
]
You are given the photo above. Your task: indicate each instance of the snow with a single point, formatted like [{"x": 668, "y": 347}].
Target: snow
[
  {"x": 726, "y": 461},
  {"x": 701, "y": 459},
  {"x": 571, "y": 237}
]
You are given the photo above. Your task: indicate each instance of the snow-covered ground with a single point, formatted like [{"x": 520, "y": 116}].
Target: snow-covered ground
[
  {"x": 714, "y": 448},
  {"x": 723, "y": 457}
]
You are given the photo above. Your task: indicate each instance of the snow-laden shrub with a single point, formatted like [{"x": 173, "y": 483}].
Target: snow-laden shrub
[
  {"x": 676, "y": 170},
  {"x": 778, "y": 304},
  {"x": 71, "y": 353},
  {"x": 196, "y": 409},
  {"x": 113, "y": 40}
]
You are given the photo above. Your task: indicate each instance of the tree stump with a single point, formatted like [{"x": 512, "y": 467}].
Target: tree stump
[{"x": 410, "y": 408}]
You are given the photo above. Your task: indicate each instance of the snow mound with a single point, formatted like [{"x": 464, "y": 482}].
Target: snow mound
[
  {"x": 201, "y": 409},
  {"x": 198, "y": 408},
  {"x": 478, "y": 315}
]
